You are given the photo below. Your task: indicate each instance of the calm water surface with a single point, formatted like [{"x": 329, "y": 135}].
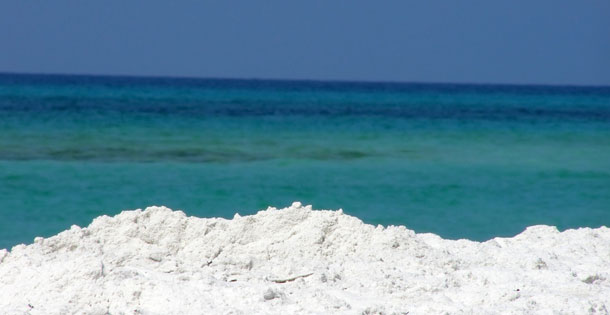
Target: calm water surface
[{"x": 462, "y": 161}]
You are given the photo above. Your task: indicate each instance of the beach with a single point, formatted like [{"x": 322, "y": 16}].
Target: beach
[
  {"x": 215, "y": 157},
  {"x": 299, "y": 260},
  {"x": 456, "y": 198}
]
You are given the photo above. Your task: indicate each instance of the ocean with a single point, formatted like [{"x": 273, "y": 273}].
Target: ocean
[{"x": 457, "y": 160}]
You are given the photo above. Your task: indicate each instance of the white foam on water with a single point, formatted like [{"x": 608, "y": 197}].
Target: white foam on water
[{"x": 299, "y": 260}]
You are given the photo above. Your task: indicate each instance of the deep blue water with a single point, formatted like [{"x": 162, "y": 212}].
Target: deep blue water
[{"x": 461, "y": 161}]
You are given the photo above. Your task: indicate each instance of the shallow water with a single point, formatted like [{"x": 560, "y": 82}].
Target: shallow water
[{"x": 461, "y": 161}]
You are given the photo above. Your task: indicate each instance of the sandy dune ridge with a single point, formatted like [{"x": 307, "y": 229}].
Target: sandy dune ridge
[{"x": 299, "y": 260}]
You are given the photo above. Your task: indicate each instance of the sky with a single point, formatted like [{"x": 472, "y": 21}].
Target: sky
[{"x": 518, "y": 42}]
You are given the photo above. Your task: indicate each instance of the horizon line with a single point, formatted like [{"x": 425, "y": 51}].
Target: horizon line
[{"x": 188, "y": 77}]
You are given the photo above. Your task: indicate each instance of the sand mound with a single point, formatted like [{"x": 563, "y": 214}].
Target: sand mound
[{"x": 297, "y": 260}]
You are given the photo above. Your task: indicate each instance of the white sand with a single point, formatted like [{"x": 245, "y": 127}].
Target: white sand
[{"x": 296, "y": 260}]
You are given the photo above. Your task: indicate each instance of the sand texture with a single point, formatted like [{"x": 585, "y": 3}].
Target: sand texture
[{"x": 299, "y": 260}]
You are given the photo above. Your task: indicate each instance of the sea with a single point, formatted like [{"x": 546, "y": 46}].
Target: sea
[{"x": 458, "y": 160}]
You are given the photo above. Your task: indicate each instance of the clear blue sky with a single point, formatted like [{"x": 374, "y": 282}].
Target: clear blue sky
[{"x": 545, "y": 42}]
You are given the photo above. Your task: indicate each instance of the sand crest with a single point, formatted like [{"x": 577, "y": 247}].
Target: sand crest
[{"x": 299, "y": 260}]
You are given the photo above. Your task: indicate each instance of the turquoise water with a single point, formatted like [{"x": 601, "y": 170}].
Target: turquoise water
[{"x": 461, "y": 161}]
